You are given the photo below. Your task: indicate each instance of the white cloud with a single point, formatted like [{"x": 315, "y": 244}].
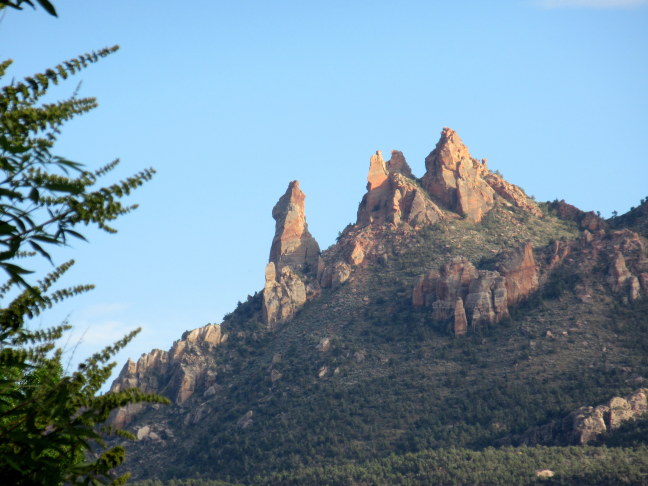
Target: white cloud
[{"x": 592, "y": 3}]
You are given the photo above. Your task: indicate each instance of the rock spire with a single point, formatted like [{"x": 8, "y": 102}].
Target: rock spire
[
  {"x": 294, "y": 257},
  {"x": 393, "y": 196},
  {"x": 456, "y": 179},
  {"x": 292, "y": 244}
]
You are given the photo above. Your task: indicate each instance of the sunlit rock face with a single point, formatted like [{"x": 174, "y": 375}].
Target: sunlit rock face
[
  {"x": 456, "y": 179},
  {"x": 294, "y": 257},
  {"x": 176, "y": 373},
  {"x": 393, "y": 196},
  {"x": 464, "y": 184},
  {"x": 468, "y": 298},
  {"x": 292, "y": 244}
]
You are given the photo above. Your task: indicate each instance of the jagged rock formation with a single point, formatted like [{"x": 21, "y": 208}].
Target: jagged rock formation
[
  {"x": 177, "y": 373},
  {"x": 348, "y": 361},
  {"x": 587, "y": 424},
  {"x": 461, "y": 294},
  {"x": 398, "y": 164},
  {"x": 623, "y": 253},
  {"x": 456, "y": 179},
  {"x": 294, "y": 256},
  {"x": 394, "y": 197},
  {"x": 464, "y": 184},
  {"x": 292, "y": 244},
  {"x": 458, "y": 282}
]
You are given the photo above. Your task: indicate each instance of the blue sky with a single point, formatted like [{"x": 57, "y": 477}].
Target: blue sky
[{"x": 230, "y": 101}]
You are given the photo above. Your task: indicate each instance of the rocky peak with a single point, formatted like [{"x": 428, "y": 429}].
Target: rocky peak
[
  {"x": 393, "y": 197},
  {"x": 292, "y": 244},
  {"x": 294, "y": 258},
  {"x": 398, "y": 164},
  {"x": 465, "y": 185},
  {"x": 456, "y": 179},
  {"x": 377, "y": 176}
]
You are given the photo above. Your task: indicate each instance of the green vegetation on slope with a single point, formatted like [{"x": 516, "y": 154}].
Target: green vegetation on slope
[
  {"x": 393, "y": 380},
  {"x": 587, "y": 466}
]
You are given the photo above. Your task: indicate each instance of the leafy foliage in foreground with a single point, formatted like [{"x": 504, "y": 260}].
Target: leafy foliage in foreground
[{"x": 50, "y": 429}]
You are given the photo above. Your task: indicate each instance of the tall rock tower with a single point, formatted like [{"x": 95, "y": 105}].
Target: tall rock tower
[{"x": 294, "y": 255}]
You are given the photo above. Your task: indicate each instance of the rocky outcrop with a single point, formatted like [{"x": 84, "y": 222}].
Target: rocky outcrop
[
  {"x": 398, "y": 164},
  {"x": 460, "y": 294},
  {"x": 294, "y": 260},
  {"x": 334, "y": 275},
  {"x": 460, "y": 324},
  {"x": 520, "y": 272},
  {"x": 589, "y": 221},
  {"x": 456, "y": 179},
  {"x": 587, "y": 424},
  {"x": 465, "y": 185},
  {"x": 622, "y": 254},
  {"x": 458, "y": 282},
  {"x": 283, "y": 294},
  {"x": 394, "y": 197},
  {"x": 622, "y": 280},
  {"x": 177, "y": 373},
  {"x": 292, "y": 244},
  {"x": 512, "y": 194}
]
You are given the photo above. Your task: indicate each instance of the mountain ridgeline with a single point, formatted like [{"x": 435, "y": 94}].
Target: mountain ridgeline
[{"x": 455, "y": 313}]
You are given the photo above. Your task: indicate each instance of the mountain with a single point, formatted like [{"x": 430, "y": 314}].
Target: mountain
[{"x": 455, "y": 313}]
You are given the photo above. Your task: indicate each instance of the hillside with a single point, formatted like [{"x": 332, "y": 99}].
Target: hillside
[{"x": 455, "y": 313}]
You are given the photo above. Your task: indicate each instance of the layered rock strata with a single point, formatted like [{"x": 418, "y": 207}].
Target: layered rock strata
[
  {"x": 177, "y": 373},
  {"x": 467, "y": 298},
  {"x": 294, "y": 258}
]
